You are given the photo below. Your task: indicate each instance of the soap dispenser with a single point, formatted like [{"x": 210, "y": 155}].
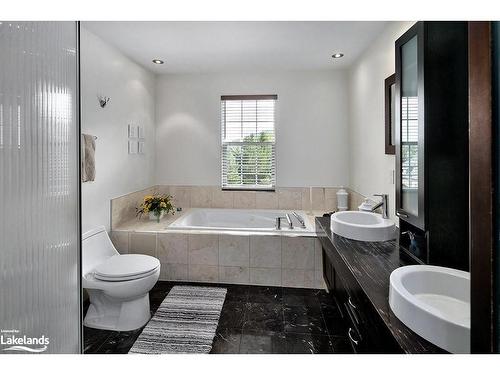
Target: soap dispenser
[{"x": 342, "y": 198}]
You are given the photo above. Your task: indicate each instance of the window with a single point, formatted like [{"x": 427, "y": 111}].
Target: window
[
  {"x": 409, "y": 142},
  {"x": 248, "y": 142}
]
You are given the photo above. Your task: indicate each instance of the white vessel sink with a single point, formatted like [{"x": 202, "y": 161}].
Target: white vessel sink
[
  {"x": 434, "y": 302},
  {"x": 362, "y": 226}
]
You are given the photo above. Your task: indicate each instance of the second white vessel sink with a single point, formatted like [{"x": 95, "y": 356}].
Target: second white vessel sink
[
  {"x": 434, "y": 302},
  {"x": 362, "y": 226}
]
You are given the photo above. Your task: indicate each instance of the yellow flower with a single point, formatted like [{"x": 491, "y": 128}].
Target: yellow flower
[
  {"x": 163, "y": 205},
  {"x": 148, "y": 198}
]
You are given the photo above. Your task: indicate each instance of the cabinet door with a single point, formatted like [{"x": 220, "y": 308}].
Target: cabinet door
[{"x": 410, "y": 127}]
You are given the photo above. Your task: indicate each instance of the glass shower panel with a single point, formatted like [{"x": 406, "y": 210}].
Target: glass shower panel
[{"x": 39, "y": 188}]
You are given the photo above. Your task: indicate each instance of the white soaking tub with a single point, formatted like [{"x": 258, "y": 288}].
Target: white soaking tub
[{"x": 251, "y": 220}]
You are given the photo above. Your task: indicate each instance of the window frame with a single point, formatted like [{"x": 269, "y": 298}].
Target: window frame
[{"x": 222, "y": 144}]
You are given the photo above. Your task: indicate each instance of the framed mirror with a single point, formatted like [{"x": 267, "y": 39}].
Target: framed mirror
[{"x": 390, "y": 115}]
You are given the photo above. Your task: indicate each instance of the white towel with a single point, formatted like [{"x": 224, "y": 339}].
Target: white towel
[{"x": 88, "y": 157}]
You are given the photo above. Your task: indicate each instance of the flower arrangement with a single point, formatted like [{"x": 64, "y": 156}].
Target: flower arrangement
[{"x": 156, "y": 205}]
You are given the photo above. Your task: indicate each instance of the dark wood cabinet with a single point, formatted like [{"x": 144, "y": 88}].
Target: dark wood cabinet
[
  {"x": 432, "y": 141},
  {"x": 357, "y": 275},
  {"x": 364, "y": 329}
]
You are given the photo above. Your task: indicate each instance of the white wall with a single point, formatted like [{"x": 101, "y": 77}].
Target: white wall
[
  {"x": 105, "y": 71},
  {"x": 312, "y": 128},
  {"x": 372, "y": 170}
]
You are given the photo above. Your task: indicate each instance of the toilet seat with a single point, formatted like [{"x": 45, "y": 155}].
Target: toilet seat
[{"x": 126, "y": 267}]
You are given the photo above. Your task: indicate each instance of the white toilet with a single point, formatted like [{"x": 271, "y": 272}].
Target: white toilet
[{"x": 118, "y": 285}]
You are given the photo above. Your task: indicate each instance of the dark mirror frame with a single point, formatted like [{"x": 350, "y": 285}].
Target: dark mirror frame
[{"x": 390, "y": 149}]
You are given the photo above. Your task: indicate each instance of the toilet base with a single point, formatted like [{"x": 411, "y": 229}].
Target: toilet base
[{"x": 114, "y": 314}]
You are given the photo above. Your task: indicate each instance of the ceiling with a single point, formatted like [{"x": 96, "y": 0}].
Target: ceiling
[{"x": 203, "y": 47}]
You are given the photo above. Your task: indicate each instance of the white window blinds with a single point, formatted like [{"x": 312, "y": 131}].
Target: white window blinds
[
  {"x": 248, "y": 142},
  {"x": 409, "y": 142}
]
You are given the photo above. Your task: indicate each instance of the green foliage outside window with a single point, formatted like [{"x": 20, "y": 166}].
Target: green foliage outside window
[{"x": 251, "y": 162}]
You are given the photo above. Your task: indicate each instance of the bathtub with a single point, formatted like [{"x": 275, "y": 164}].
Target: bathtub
[{"x": 251, "y": 220}]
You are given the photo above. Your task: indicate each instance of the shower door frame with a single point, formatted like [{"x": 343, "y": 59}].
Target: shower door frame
[{"x": 79, "y": 184}]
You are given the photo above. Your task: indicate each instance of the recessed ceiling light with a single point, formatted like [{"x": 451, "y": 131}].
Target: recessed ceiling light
[
  {"x": 157, "y": 61},
  {"x": 337, "y": 55}
]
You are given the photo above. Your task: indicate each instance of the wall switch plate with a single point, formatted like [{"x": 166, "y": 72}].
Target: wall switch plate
[
  {"x": 132, "y": 131},
  {"x": 141, "y": 132},
  {"x": 133, "y": 147}
]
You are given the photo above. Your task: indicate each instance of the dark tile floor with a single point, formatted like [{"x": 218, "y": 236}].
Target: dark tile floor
[{"x": 253, "y": 320}]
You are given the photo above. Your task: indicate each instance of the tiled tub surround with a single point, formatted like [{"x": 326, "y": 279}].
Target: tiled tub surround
[
  {"x": 228, "y": 257},
  {"x": 324, "y": 199},
  {"x": 255, "y": 259}
]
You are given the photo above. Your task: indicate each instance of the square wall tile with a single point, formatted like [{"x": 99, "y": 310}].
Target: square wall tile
[
  {"x": 201, "y": 196},
  {"x": 290, "y": 198},
  {"x": 331, "y": 199},
  {"x": 297, "y": 252},
  {"x": 293, "y": 278},
  {"x": 243, "y": 199},
  {"x": 265, "y": 276},
  {"x": 265, "y": 251},
  {"x": 320, "y": 282},
  {"x": 234, "y": 250},
  {"x": 142, "y": 243},
  {"x": 309, "y": 279},
  {"x": 162, "y": 189},
  {"x": 120, "y": 241},
  {"x": 313, "y": 199},
  {"x": 172, "y": 248},
  {"x": 181, "y": 196},
  {"x": 174, "y": 272},
  {"x": 266, "y": 200},
  {"x": 203, "y": 249},
  {"x": 354, "y": 199},
  {"x": 200, "y": 272},
  {"x": 234, "y": 275},
  {"x": 119, "y": 211},
  {"x": 318, "y": 255},
  {"x": 222, "y": 198}
]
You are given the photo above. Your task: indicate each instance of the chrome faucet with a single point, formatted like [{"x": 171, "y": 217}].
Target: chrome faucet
[
  {"x": 384, "y": 204},
  {"x": 299, "y": 219},
  {"x": 287, "y": 217}
]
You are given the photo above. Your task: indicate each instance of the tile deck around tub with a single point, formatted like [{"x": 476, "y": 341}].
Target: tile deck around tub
[
  {"x": 253, "y": 320},
  {"x": 238, "y": 257}
]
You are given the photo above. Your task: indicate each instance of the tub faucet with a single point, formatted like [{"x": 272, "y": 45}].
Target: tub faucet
[
  {"x": 383, "y": 203},
  {"x": 299, "y": 219},
  {"x": 287, "y": 217}
]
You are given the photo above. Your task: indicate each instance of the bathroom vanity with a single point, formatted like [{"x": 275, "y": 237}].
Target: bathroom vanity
[{"x": 357, "y": 275}]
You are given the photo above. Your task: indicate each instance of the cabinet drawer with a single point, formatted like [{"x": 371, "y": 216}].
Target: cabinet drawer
[
  {"x": 365, "y": 330},
  {"x": 328, "y": 272}
]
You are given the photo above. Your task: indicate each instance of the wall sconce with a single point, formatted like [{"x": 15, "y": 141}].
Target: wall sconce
[{"x": 103, "y": 100}]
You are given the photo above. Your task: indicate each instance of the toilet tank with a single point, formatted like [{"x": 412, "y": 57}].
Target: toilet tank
[{"x": 96, "y": 248}]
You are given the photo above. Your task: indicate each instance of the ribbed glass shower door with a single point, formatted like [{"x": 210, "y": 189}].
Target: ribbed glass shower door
[{"x": 39, "y": 188}]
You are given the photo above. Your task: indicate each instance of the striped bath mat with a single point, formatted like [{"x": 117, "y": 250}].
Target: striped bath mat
[{"x": 185, "y": 322}]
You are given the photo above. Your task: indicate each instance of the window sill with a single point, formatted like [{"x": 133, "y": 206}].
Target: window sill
[{"x": 270, "y": 190}]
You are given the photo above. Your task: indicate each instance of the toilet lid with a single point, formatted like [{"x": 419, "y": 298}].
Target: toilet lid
[{"x": 126, "y": 267}]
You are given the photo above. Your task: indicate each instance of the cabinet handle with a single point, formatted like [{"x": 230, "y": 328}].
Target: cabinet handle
[
  {"x": 400, "y": 214},
  {"x": 350, "y": 303},
  {"x": 356, "y": 342}
]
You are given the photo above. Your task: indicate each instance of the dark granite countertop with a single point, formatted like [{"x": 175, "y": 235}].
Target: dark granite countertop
[{"x": 371, "y": 264}]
